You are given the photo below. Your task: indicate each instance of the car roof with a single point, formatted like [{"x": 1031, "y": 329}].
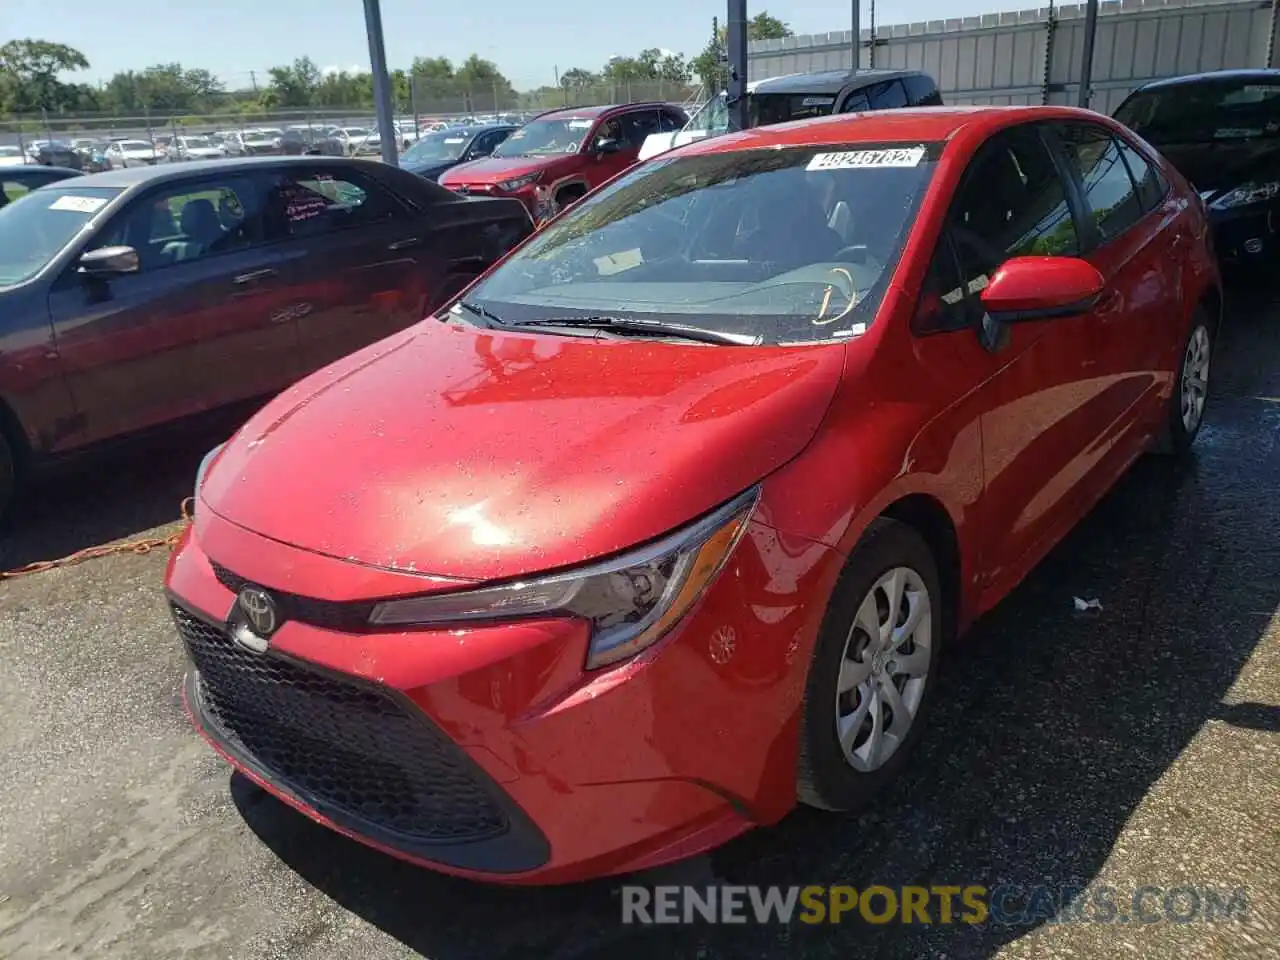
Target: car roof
[
  {"x": 129, "y": 177},
  {"x": 901, "y": 125},
  {"x": 827, "y": 82},
  {"x": 1212, "y": 76},
  {"x": 592, "y": 112}
]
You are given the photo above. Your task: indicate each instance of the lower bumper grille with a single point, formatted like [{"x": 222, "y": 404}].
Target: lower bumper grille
[{"x": 352, "y": 751}]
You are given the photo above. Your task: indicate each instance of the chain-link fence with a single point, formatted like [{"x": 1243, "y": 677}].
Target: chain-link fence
[{"x": 426, "y": 101}]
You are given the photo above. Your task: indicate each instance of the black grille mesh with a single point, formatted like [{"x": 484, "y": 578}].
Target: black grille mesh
[{"x": 348, "y": 746}]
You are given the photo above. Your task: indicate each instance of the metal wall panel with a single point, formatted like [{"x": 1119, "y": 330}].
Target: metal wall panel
[{"x": 1033, "y": 56}]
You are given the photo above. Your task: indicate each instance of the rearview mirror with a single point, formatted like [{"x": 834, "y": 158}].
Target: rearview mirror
[
  {"x": 1041, "y": 288},
  {"x": 109, "y": 261}
]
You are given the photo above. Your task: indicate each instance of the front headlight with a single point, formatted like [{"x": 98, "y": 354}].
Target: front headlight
[
  {"x": 1246, "y": 194},
  {"x": 518, "y": 182},
  {"x": 202, "y": 471},
  {"x": 631, "y": 601}
]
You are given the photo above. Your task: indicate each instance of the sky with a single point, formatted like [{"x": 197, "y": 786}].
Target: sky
[{"x": 528, "y": 39}]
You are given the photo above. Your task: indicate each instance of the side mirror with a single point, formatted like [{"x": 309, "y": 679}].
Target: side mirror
[
  {"x": 1041, "y": 288},
  {"x": 607, "y": 145},
  {"x": 109, "y": 261}
]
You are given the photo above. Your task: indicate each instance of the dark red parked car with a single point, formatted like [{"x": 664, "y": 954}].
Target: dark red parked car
[
  {"x": 133, "y": 298},
  {"x": 661, "y": 528},
  {"x": 556, "y": 158}
]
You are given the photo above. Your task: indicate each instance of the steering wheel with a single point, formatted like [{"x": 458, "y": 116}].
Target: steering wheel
[{"x": 840, "y": 298}]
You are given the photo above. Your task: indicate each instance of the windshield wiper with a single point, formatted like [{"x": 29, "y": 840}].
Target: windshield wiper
[
  {"x": 655, "y": 328},
  {"x": 482, "y": 312}
]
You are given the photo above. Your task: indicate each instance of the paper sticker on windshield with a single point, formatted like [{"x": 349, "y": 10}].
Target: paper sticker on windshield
[
  {"x": 854, "y": 159},
  {"x": 579, "y": 124},
  {"x": 78, "y": 204},
  {"x": 817, "y": 101},
  {"x": 455, "y": 139}
]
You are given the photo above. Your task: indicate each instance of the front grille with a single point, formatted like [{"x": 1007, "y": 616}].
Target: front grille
[
  {"x": 352, "y": 617},
  {"x": 349, "y": 749}
]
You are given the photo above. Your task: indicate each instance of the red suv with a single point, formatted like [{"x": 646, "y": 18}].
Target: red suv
[{"x": 558, "y": 156}]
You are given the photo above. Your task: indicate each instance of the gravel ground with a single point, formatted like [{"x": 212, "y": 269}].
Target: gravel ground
[{"x": 1139, "y": 745}]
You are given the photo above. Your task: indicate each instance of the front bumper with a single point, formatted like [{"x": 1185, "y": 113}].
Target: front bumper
[
  {"x": 1246, "y": 234},
  {"x": 489, "y": 752}
]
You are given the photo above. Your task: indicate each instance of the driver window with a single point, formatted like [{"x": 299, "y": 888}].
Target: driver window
[
  {"x": 609, "y": 130},
  {"x": 636, "y": 128},
  {"x": 856, "y": 103},
  {"x": 1011, "y": 203},
  {"x": 188, "y": 222}
]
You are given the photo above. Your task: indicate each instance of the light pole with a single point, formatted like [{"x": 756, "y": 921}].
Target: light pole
[
  {"x": 856, "y": 42},
  {"x": 390, "y": 136}
]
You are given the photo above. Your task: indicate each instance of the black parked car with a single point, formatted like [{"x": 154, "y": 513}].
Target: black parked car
[
  {"x": 437, "y": 152},
  {"x": 1222, "y": 131},
  {"x": 133, "y": 298},
  {"x": 17, "y": 182},
  {"x": 55, "y": 153},
  {"x": 311, "y": 141}
]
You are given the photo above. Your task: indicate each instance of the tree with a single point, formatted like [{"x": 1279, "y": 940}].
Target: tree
[
  {"x": 709, "y": 66},
  {"x": 29, "y": 76},
  {"x": 575, "y": 78},
  {"x": 294, "y": 86},
  {"x": 648, "y": 65},
  {"x": 166, "y": 87}
]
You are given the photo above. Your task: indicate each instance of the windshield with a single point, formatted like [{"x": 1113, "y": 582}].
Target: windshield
[
  {"x": 136, "y": 145},
  {"x": 1237, "y": 109},
  {"x": 712, "y": 118},
  {"x": 36, "y": 227},
  {"x": 793, "y": 245},
  {"x": 443, "y": 147},
  {"x": 196, "y": 143},
  {"x": 545, "y": 137}
]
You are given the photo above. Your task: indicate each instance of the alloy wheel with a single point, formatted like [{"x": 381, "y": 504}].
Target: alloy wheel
[
  {"x": 884, "y": 669},
  {"x": 1195, "y": 379}
]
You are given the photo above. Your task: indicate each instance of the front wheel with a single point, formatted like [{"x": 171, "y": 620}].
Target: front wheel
[
  {"x": 1185, "y": 413},
  {"x": 873, "y": 669},
  {"x": 8, "y": 479}
]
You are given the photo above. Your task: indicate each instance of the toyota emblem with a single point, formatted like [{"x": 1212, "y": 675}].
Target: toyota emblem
[{"x": 259, "y": 610}]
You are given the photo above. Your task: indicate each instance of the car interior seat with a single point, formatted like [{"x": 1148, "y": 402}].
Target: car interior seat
[{"x": 201, "y": 228}]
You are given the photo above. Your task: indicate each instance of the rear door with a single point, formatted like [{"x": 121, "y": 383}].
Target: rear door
[
  {"x": 1132, "y": 241},
  {"x": 197, "y": 326},
  {"x": 1033, "y": 385},
  {"x": 351, "y": 253}
]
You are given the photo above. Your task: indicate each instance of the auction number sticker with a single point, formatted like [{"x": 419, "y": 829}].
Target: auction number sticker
[
  {"x": 854, "y": 159},
  {"x": 78, "y": 204}
]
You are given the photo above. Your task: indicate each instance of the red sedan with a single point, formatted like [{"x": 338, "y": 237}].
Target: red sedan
[{"x": 661, "y": 527}]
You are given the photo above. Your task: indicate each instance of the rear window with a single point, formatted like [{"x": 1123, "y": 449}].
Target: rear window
[
  {"x": 1213, "y": 110},
  {"x": 792, "y": 245},
  {"x": 770, "y": 108}
]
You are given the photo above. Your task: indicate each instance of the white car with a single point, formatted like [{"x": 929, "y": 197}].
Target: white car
[
  {"x": 12, "y": 157},
  {"x": 132, "y": 153},
  {"x": 194, "y": 148},
  {"x": 353, "y": 140}
]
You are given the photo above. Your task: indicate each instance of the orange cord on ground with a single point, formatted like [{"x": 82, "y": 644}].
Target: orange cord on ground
[{"x": 93, "y": 553}]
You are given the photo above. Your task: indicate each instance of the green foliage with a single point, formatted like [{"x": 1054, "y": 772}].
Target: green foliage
[{"x": 709, "y": 66}]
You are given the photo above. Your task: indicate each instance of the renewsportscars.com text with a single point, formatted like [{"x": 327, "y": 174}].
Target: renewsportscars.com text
[{"x": 1006, "y": 905}]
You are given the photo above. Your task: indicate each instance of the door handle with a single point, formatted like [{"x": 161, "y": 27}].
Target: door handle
[
  {"x": 403, "y": 244},
  {"x": 253, "y": 275}
]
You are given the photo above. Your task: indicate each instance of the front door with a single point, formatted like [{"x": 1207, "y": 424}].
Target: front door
[
  {"x": 1031, "y": 381},
  {"x": 352, "y": 259},
  {"x": 186, "y": 332}
]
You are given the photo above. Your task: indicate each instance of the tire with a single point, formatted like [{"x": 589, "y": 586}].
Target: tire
[
  {"x": 8, "y": 480},
  {"x": 567, "y": 198},
  {"x": 1188, "y": 402},
  {"x": 826, "y": 778}
]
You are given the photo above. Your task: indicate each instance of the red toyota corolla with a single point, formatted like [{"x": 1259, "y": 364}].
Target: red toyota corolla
[{"x": 661, "y": 528}]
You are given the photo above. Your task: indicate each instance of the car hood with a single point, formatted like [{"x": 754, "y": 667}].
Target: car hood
[
  {"x": 430, "y": 170},
  {"x": 1222, "y": 165},
  {"x": 498, "y": 169},
  {"x": 457, "y": 452}
]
